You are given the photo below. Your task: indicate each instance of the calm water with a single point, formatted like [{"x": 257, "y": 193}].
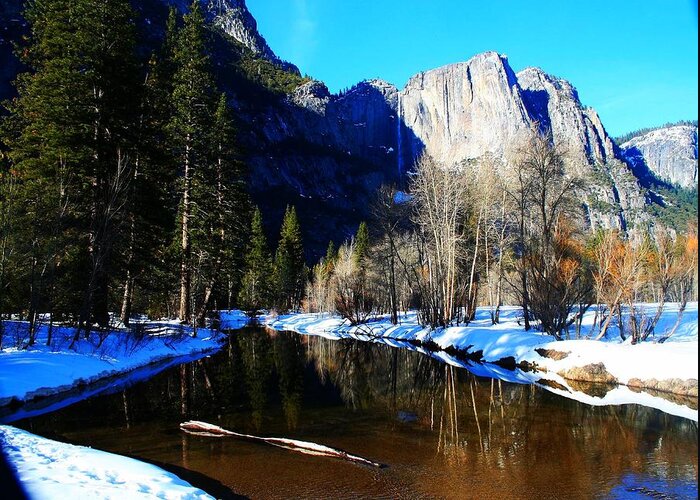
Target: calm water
[{"x": 443, "y": 432}]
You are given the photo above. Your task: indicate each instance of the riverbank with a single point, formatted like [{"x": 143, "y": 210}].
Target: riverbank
[
  {"x": 50, "y": 469},
  {"x": 43, "y": 378},
  {"x": 666, "y": 372},
  {"x": 41, "y": 371}
]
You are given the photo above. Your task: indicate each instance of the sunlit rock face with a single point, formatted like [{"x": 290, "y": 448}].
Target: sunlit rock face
[
  {"x": 481, "y": 107},
  {"x": 671, "y": 153},
  {"x": 555, "y": 105},
  {"x": 464, "y": 110}
]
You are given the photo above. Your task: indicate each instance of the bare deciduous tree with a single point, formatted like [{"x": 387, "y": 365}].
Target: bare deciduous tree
[
  {"x": 352, "y": 299},
  {"x": 550, "y": 273},
  {"x": 441, "y": 206}
]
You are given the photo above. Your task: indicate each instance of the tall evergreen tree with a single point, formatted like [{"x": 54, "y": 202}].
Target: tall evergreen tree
[
  {"x": 69, "y": 139},
  {"x": 223, "y": 205},
  {"x": 148, "y": 206},
  {"x": 105, "y": 31},
  {"x": 192, "y": 99},
  {"x": 47, "y": 144},
  {"x": 330, "y": 258},
  {"x": 361, "y": 253},
  {"x": 290, "y": 270},
  {"x": 256, "y": 290}
]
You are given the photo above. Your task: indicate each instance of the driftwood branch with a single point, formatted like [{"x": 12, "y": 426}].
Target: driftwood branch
[{"x": 209, "y": 430}]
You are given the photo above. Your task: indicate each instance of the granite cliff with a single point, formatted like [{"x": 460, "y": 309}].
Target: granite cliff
[
  {"x": 670, "y": 153},
  {"x": 328, "y": 153}
]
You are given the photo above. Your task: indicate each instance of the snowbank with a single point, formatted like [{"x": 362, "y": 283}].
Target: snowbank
[
  {"x": 659, "y": 368},
  {"x": 41, "y": 371},
  {"x": 49, "y": 469}
]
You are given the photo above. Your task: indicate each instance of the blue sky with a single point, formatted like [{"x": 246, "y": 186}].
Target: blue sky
[{"x": 634, "y": 62}]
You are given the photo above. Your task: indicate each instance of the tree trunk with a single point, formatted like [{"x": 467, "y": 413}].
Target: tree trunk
[
  {"x": 681, "y": 309},
  {"x": 471, "y": 295},
  {"x": 129, "y": 281},
  {"x": 523, "y": 271},
  {"x": 184, "y": 392},
  {"x": 127, "y": 298},
  {"x": 185, "y": 277},
  {"x": 392, "y": 289},
  {"x": 606, "y": 323}
]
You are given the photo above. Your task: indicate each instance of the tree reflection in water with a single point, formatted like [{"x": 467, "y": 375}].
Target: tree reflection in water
[
  {"x": 438, "y": 426},
  {"x": 502, "y": 425}
]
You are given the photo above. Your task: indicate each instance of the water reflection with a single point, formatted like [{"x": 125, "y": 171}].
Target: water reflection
[{"x": 442, "y": 430}]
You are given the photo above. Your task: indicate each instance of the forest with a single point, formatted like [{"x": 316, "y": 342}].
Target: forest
[{"x": 123, "y": 194}]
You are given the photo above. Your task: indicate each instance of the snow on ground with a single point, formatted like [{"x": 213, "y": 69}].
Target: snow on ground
[
  {"x": 676, "y": 358},
  {"x": 58, "y": 376},
  {"x": 49, "y": 469},
  {"x": 42, "y": 371}
]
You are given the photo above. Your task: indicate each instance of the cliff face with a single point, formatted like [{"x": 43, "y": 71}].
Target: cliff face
[
  {"x": 467, "y": 110},
  {"x": 671, "y": 153},
  {"x": 464, "y": 110},
  {"x": 555, "y": 105},
  {"x": 360, "y": 123},
  {"x": 327, "y": 154}
]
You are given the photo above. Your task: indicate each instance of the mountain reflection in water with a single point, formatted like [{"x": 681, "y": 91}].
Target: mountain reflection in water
[{"x": 442, "y": 431}]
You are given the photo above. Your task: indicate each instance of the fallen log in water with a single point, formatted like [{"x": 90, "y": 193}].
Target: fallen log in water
[{"x": 209, "y": 430}]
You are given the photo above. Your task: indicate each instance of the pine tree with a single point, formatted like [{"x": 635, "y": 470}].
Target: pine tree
[
  {"x": 192, "y": 113},
  {"x": 256, "y": 287},
  {"x": 106, "y": 34},
  {"x": 149, "y": 209},
  {"x": 47, "y": 142},
  {"x": 69, "y": 139},
  {"x": 223, "y": 204},
  {"x": 290, "y": 270},
  {"x": 329, "y": 259},
  {"x": 233, "y": 203},
  {"x": 361, "y": 252}
]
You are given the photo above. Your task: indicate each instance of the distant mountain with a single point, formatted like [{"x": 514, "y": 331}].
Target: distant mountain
[
  {"x": 635, "y": 133},
  {"x": 670, "y": 153},
  {"x": 465, "y": 110}
]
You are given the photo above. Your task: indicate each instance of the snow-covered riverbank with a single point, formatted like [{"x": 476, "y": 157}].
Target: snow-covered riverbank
[
  {"x": 661, "y": 375},
  {"x": 49, "y": 469},
  {"x": 41, "y": 371},
  {"x": 42, "y": 378}
]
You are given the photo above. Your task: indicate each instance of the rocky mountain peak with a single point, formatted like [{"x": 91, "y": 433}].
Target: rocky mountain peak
[
  {"x": 464, "y": 110},
  {"x": 554, "y": 103},
  {"x": 234, "y": 18},
  {"x": 312, "y": 95},
  {"x": 536, "y": 77},
  {"x": 372, "y": 86}
]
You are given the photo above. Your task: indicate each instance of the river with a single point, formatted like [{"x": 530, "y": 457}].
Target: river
[{"x": 441, "y": 431}]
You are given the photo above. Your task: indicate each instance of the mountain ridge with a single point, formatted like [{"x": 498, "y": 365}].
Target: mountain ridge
[{"x": 328, "y": 153}]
